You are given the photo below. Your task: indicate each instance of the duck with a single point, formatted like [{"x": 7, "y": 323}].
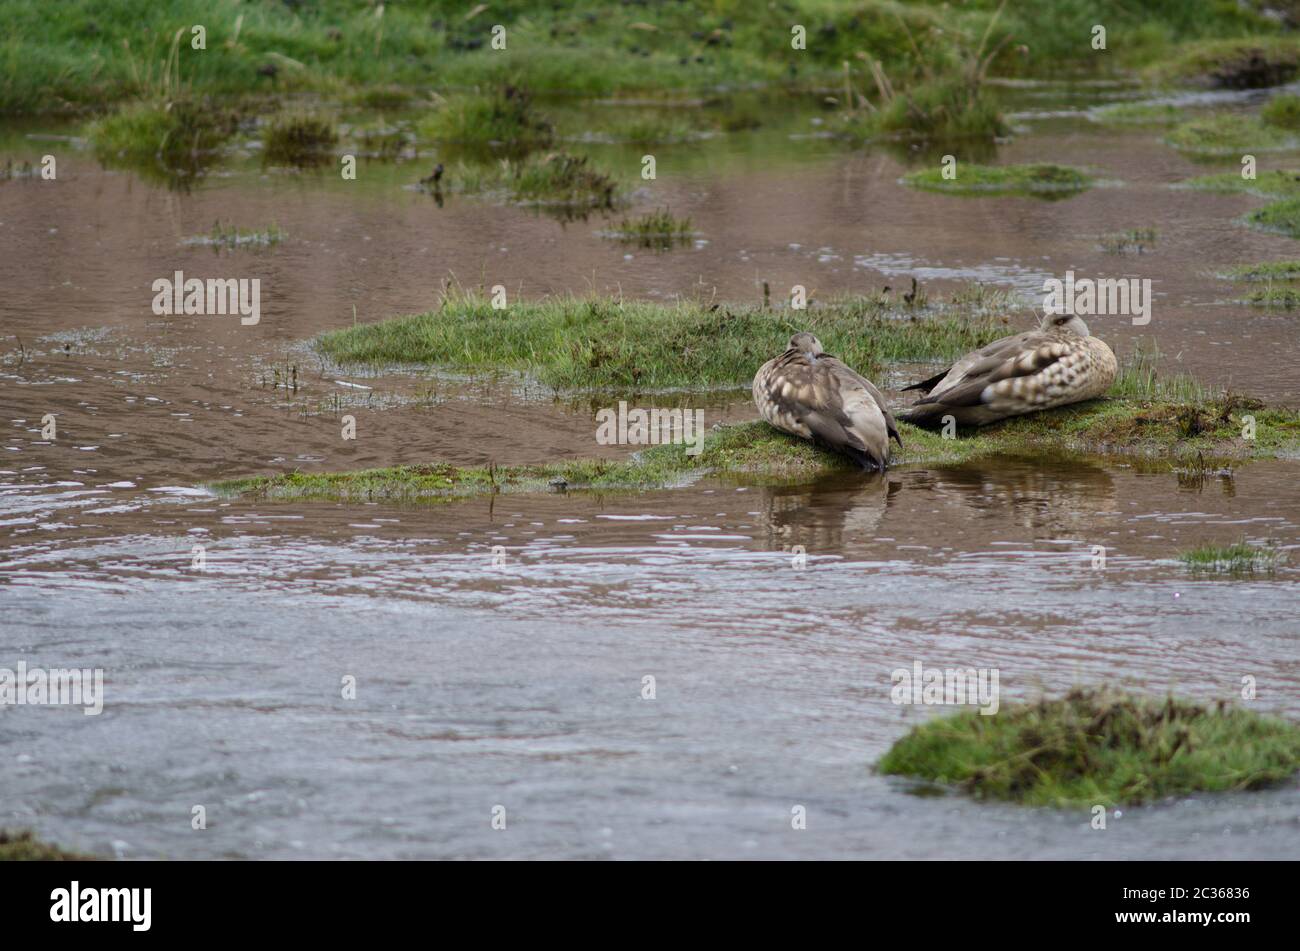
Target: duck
[
  {"x": 1057, "y": 364},
  {"x": 810, "y": 394}
]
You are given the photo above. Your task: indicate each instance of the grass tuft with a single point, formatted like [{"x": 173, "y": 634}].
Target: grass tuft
[
  {"x": 1099, "y": 747},
  {"x": 1240, "y": 558},
  {"x": 655, "y": 229},
  {"x": 571, "y": 183},
  {"x": 1279, "y": 296},
  {"x": 172, "y": 138},
  {"x": 1281, "y": 216}
]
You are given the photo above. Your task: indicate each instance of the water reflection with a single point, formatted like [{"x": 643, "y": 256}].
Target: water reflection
[
  {"x": 1041, "y": 496},
  {"x": 826, "y": 514}
]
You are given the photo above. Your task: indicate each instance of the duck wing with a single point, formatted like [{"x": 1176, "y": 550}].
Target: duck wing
[
  {"x": 998, "y": 349},
  {"x": 1024, "y": 355},
  {"x": 890, "y": 426},
  {"x": 823, "y": 400}
]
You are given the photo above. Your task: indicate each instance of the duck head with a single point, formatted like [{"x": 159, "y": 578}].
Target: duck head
[
  {"x": 806, "y": 343},
  {"x": 1071, "y": 322}
]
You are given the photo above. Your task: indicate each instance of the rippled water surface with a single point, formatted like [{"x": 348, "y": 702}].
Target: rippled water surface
[{"x": 499, "y": 646}]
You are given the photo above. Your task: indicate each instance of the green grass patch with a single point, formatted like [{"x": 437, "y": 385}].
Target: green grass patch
[
  {"x": 95, "y": 54},
  {"x": 655, "y": 229},
  {"x": 1281, "y": 216},
  {"x": 1035, "y": 179},
  {"x": 1239, "y": 63},
  {"x": 1267, "y": 271},
  {"x": 602, "y": 343},
  {"x": 1132, "y": 241},
  {"x": 1229, "y": 134},
  {"x": 501, "y": 120},
  {"x": 1099, "y": 747},
  {"x": 1277, "y": 183},
  {"x": 1279, "y": 296},
  {"x": 1141, "y": 377},
  {"x": 947, "y": 109},
  {"x": 298, "y": 139},
  {"x": 1282, "y": 111},
  {"x": 1137, "y": 113},
  {"x": 23, "y": 846},
  {"x": 1160, "y": 432},
  {"x": 1237, "y": 559}
]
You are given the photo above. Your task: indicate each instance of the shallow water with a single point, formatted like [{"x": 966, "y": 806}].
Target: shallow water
[{"x": 512, "y": 675}]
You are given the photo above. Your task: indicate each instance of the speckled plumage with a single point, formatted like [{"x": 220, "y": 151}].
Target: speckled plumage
[
  {"x": 811, "y": 394},
  {"x": 1058, "y": 364}
]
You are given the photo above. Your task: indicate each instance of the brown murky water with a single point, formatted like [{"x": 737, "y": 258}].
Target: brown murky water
[{"x": 500, "y": 646}]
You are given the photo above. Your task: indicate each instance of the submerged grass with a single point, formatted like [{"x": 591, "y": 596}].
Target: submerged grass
[
  {"x": 1036, "y": 179},
  {"x": 599, "y": 343},
  {"x": 1229, "y": 134},
  {"x": 298, "y": 139},
  {"x": 1137, "y": 113},
  {"x": 1237, "y": 559},
  {"x": 1132, "y": 241},
  {"x": 645, "y": 128},
  {"x": 1281, "y": 216},
  {"x": 557, "y": 178},
  {"x": 1276, "y": 183},
  {"x": 1099, "y": 747},
  {"x": 225, "y": 235}
]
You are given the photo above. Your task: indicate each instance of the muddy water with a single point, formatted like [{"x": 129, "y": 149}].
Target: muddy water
[{"x": 499, "y": 646}]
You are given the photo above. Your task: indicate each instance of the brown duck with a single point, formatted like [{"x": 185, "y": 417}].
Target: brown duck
[
  {"x": 809, "y": 393},
  {"x": 1057, "y": 364}
]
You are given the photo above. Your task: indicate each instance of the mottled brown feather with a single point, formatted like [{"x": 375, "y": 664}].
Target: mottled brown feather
[{"x": 815, "y": 396}]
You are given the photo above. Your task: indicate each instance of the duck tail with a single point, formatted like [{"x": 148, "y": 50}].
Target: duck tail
[{"x": 926, "y": 386}]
